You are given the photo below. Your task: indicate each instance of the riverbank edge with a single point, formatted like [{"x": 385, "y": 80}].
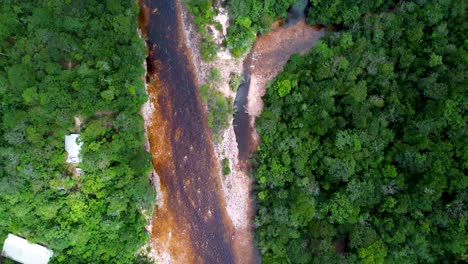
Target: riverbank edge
[{"x": 146, "y": 111}]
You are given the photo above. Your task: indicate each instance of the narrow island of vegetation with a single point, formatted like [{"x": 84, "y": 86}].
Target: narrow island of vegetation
[{"x": 61, "y": 61}]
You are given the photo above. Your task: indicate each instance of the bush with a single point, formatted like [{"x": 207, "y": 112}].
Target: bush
[
  {"x": 214, "y": 78},
  {"x": 209, "y": 49},
  {"x": 220, "y": 109},
  {"x": 225, "y": 166},
  {"x": 240, "y": 37},
  {"x": 235, "y": 81},
  {"x": 250, "y": 17},
  {"x": 204, "y": 14}
]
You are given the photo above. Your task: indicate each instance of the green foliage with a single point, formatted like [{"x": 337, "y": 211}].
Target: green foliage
[
  {"x": 220, "y": 108},
  {"x": 6, "y": 261},
  {"x": 208, "y": 48},
  {"x": 240, "y": 37},
  {"x": 364, "y": 141},
  {"x": 214, "y": 77},
  {"x": 250, "y": 17},
  {"x": 205, "y": 91},
  {"x": 235, "y": 81},
  {"x": 344, "y": 12},
  {"x": 143, "y": 259},
  {"x": 204, "y": 14},
  {"x": 283, "y": 87},
  {"x": 64, "y": 59},
  {"x": 225, "y": 166}
]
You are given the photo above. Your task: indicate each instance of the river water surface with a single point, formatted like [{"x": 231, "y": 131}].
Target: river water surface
[{"x": 191, "y": 226}]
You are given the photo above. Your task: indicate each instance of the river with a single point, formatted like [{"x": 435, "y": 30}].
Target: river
[
  {"x": 267, "y": 58},
  {"x": 191, "y": 225}
]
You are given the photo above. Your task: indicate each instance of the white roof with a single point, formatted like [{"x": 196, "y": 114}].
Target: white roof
[
  {"x": 72, "y": 148},
  {"x": 20, "y": 250}
]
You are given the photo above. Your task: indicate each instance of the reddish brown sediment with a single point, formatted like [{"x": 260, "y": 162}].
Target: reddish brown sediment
[
  {"x": 166, "y": 229},
  {"x": 143, "y": 17},
  {"x": 191, "y": 225}
]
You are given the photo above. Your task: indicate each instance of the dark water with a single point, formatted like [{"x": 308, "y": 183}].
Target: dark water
[
  {"x": 297, "y": 12},
  {"x": 186, "y": 168},
  {"x": 241, "y": 120}
]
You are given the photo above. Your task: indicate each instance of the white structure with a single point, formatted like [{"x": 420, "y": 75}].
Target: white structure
[
  {"x": 78, "y": 172},
  {"x": 73, "y": 148},
  {"x": 20, "y": 250}
]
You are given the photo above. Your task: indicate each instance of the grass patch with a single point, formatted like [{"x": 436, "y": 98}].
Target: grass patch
[{"x": 214, "y": 78}]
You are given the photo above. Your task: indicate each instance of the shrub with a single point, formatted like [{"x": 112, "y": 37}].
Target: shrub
[
  {"x": 214, "y": 77},
  {"x": 204, "y": 14},
  {"x": 208, "y": 49},
  {"x": 235, "y": 81},
  {"x": 225, "y": 166},
  {"x": 219, "y": 109}
]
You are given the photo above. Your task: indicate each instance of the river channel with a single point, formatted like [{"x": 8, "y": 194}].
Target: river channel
[{"x": 191, "y": 226}]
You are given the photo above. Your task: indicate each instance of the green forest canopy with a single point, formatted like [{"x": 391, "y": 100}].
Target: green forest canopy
[
  {"x": 363, "y": 156},
  {"x": 249, "y": 17},
  {"x": 60, "y": 60}
]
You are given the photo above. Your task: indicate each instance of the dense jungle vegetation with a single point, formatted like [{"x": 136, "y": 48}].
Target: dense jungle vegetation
[
  {"x": 343, "y": 12},
  {"x": 363, "y": 154},
  {"x": 60, "y": 60},
  {"x": 249, "y": 17}
]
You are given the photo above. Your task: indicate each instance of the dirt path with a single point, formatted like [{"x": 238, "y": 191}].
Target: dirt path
[{"x": 191, "y": 224}]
